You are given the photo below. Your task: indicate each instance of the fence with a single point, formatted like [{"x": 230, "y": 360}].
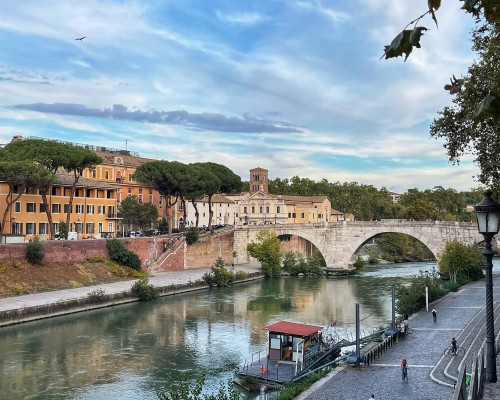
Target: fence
[{"x": 385, "y": 345}]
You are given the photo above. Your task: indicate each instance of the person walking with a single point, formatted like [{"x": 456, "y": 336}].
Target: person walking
[
  {"x": 434, "y": 314},
  {"x": 453, "y": 346},
  {"x": 404, "y": 369},
  {"x": 372, "y": 397}
]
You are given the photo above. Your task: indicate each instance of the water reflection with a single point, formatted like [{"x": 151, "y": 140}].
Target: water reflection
[{"x": 125, "y": 351}]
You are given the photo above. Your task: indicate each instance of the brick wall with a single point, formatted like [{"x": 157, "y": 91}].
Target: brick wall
[{"x": 203, "y": 253}]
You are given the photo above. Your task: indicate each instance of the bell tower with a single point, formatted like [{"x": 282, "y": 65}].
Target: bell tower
[{"x": 258, "y": 180}]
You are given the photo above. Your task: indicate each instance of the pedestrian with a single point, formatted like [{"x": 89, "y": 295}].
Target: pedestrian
[
  {"x": 453, "y": 346},
  {"x": 434, "y": 314},
  {"x": 372, "y": 397}
]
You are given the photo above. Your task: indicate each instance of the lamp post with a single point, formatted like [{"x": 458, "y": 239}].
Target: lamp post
[{"x": 488, "y": 218}]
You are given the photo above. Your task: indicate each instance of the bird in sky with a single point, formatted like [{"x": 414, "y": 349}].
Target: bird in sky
[{"x": 81, "y": 38}]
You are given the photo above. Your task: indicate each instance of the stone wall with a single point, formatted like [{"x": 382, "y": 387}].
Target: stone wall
[
  {"x": 205, "y": 252},
  {"x": 148, "y": 249}
]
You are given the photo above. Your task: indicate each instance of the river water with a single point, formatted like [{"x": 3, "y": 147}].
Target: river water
[{"x": 126, "y": 351}]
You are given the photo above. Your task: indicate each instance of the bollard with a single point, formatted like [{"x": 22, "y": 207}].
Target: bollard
[{"x": 263, "y": 395}]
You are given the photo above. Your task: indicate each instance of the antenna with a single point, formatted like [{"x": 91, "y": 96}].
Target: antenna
[{"x": 126, "y": 144}]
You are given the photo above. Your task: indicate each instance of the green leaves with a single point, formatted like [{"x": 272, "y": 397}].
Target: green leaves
[
  {"x": 488, "y": 107},
  {"x": 404, "y": 42}
]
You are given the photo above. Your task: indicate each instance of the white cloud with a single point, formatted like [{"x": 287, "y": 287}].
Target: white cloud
[{"x": 241, "y": 18}]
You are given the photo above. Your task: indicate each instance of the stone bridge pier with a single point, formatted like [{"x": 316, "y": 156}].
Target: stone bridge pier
[{"x": 339, "y": 242}]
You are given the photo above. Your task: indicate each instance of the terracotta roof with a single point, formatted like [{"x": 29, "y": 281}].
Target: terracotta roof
[
  {"x": 335, "y": 212},
  {"x": 217, "y": 198},
  {"x": 304, "y": 199},
  {"x": 67, "y": 180},
  {"x": 293, "y": 328},
  {"x": 128, "y": 160}
]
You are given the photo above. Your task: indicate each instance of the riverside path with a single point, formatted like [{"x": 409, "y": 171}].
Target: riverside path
[{"x": 459, "y": 315}]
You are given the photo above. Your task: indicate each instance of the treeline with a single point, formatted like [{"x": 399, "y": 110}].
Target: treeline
[{"x": 366, "y": 202}]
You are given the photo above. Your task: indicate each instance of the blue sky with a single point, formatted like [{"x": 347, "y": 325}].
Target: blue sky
[{"x": 293, "y": 86}]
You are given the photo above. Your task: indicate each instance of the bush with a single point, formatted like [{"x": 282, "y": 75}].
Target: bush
[
  {"x": 63, "y": 230},
  {"x": 192, "y": 235},
  {"x": 219, "y": 275},
  {"x": 240, "y": 275},
  {"x": 97, "y": 296},
  {"x": 359, "y": 264},
  {"x": 35, "y": 252},
  {"x": 119, "y": 253},
  {"x": 144, "y": 290}
]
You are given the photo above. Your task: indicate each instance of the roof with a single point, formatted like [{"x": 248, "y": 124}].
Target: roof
[
  {"x": 128, "y": 160},
  {"x": 67, "y": 180},
  {"x": 293, "y": 328},
  {"x": 216, "y": 198},
  {"x": 304, "y": 199}
]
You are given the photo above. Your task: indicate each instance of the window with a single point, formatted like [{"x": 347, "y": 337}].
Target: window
[
  {"x": 90, "y": 209},
  {"x": 94, "y": 173},
  {"x": 267, "y": 209},
  {"x": 160, "y": 201},
  {"x": 43, "y": 207},
  {"x": 260, "y": 209},
  {"x": 129, "y": 177},
  {"x": 278, "y": 209},
  {"x": 129, "y": 192},
  {"x": 294, "y": 215},
  {"x": 99, "y": 227},
  {"x": 90, "y": 227},
  {"x": 17, "y": 207},
  {"x": 79, "y": 227},
  {"x": 56, "y": 208},
  {"x": 54, "y": 191},
  {"x": 109, "y": 194},
  {"x": 17, "y": 228},
  {"x": 301, "y": 215},
  {"x": 67, "y": 209},
  {"x": 244, "y": 210},
  {"x": 30, "y": 228},
  {"x": 151, "y": 199},
  {"x": 88, "y": 193},
  {"x": 30, "y": 207},
  {"x": 78, "y": 193},
  {"x": 181, "y": 206},
  {"x": 111, "y": 211},
  {"x": 56, "y": 227},
  {"x": 253, "y": 210},
  {"x": 43, "y": 228},
  {"x": 101, "y": 209},
  {"x": 79, "y": 208},
  {"x": 140, "y": 198},
  {"x": 110, "y": 227},
  {"x": 106, "y": 175}
]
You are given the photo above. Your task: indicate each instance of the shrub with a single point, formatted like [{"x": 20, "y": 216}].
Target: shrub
[
  {"x": 191, "y": 235},
  {"x": 219, "y": 275},
  {"x": 63, "y": 230},
  {"x": 35, "y": 252},
  {"x": 97, "y": 296},
  {"x": 144, "y": 290},
  {"x": 119, "y": 253},
  {"x": 359, "y": 264},
  {"x": 240, "y": 275}
]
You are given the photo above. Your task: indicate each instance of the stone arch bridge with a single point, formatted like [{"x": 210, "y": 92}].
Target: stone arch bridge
[{"x": 338, "y": 242}]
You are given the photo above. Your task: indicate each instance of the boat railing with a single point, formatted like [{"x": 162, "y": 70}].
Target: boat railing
[{"x": 254, "y": 358}]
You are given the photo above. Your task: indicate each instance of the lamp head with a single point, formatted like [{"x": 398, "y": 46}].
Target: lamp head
[{"x": 488, "y": 215}]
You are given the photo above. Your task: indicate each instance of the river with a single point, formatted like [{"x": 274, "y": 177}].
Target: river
[{"x": 124, "y": 352}]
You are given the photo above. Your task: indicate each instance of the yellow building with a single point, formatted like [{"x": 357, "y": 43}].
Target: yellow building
[{"x": 93, "y": 211}]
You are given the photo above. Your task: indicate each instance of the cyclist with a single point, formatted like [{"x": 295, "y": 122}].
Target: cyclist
[
  {"x": 404, "y": 369},
  {"x": 453, "y": 346}
]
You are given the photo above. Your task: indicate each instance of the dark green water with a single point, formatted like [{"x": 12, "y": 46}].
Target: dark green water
[{"x": 124, "y": 352}]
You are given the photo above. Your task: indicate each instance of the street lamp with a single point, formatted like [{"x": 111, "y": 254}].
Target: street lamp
[{"x": 488, "y": 218}]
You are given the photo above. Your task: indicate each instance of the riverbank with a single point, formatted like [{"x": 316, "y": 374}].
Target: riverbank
[{"x": 24, "y": 308}]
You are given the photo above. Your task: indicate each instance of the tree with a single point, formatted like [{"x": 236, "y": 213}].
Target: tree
[
  {"x": 19, "y": 175},
  {"x": 165, "y": 177},
  {"x": 133, "y": 212},
  {"x": 458, "y": 259},
  {"x": 267, "y": 251},
  {"x": 78, "y": 159},
  {"x": 218, "y": 179},
  {"x": 53, "y": 156},
  {"x": 471, "y": 125},
  {"x": 464, "y": 133}
]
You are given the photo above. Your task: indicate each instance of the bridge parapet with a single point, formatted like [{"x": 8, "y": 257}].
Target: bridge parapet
[{"x": 338, "y": 242}]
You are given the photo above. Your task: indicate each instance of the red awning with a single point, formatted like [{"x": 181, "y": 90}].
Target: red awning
[{"x": 293, "y": 328}]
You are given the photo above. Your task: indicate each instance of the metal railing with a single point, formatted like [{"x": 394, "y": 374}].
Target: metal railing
[{"x": 476, "y": 386}]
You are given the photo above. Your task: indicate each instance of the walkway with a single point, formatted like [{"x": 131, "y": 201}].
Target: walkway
[
  {"x": 424, "y": 350},
  {"x": 160, "y": 279}
]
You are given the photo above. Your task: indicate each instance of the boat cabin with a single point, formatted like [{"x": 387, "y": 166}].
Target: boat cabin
[{"x": 290, "y": 341}]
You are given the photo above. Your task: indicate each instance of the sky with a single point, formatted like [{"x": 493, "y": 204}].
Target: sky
[{"x": 293, "y": 86}]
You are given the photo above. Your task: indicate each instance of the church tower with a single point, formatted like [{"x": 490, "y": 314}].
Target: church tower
[{"x": 258, "y": 180}]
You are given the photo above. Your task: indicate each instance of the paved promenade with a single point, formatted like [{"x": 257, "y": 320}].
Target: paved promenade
[{"x": 429, "y": 369}]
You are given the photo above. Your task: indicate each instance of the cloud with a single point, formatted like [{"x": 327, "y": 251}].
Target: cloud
[
  {"x": 242, "y": 18},
  {"x": 202, "y": 121}
]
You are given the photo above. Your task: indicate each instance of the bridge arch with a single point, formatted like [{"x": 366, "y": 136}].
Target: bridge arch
[{"x": 339, "y": 241}]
